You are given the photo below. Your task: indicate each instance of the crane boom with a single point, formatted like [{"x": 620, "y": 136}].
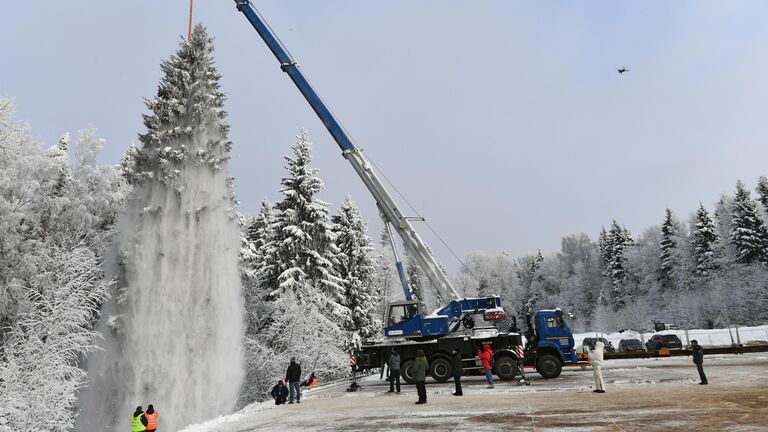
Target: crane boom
[{"x": 386, "y": 204}]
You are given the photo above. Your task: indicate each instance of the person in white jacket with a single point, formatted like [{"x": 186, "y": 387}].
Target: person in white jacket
[{"x": 596, "y": 358}]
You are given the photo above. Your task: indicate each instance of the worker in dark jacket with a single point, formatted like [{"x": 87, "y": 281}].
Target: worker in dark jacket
[
  {"x": 279, "y": 393},
  {"x": 394, "y": 371},
  {"x": 698, "y": 360},
  {"x": 138, "y": 421},
  {"x": 458, "y": 368},
  {"x": 293, "y": 378},
  {"x": 420, "y": 375}
]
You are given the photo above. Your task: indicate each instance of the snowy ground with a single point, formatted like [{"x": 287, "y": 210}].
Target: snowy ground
[{"x": 643, "y": 394}]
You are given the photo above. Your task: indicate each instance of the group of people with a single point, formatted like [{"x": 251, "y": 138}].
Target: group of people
[
  {"x": 144, "y": 421},
  {"x": 596, "y": 359},
  {"x": 286, "y": 394},
  {"x": 421, "y": 366}
]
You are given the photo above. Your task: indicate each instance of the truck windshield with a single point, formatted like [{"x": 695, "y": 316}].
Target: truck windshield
[{"x": 402, "y": 313}]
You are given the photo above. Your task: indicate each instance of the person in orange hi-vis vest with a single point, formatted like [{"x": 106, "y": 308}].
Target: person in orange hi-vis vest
[{"x": 151, "y": 416}]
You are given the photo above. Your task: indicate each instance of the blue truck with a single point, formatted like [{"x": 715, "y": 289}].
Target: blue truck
[
  {"x": 463, "y": 323},
  {"x": 547, "y": 344}
]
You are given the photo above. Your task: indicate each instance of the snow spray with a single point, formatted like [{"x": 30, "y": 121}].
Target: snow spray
[{"x": 173, "y": 333}]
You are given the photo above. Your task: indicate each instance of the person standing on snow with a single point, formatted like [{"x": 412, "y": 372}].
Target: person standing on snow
[
  {"x": 420, "y": 375},
  {"x": 458, "y": 369},
  {"x": 138, "y": 421},
  {"x": 596, "y": 358},
  {"x": 486, "y": 356},
  {"x": 394, "y": 371},
  {"x": 151, "y": 416},
  {"x": 698, "y": 360},
  {"x": 293, "y": 378},
  {"x": 279, "y": 393}
]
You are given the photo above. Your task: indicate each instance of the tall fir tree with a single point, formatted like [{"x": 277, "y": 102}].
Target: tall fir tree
[
  {"x": 304, "y": 247},
  {"x": 262, "y": 234},
  {"x": 669, "y": 257},
  {"x": 356, "y": 268},
  {"x": 748, "y": 231},
  {"x": 604, "y": 247},
  {"x": 619, "y": 239},
  {"x": 532, "y": 276},
  {"x": 704, "y": 241}
]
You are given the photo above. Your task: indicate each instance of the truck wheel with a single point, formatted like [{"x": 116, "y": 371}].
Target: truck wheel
[
  {"x": 505, "y": 368},
  {"x": 549, "y": 366},
  {"x": 406, "y": 371},
  {"x": 440, "y": 369}
]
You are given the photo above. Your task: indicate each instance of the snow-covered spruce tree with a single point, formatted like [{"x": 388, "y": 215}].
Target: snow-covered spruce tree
[
  {"x": 619, "y": 238},
  {"x": 532, "y": 274},
  {"x": 748, "y": 231},
  {"x": 669, "y": 260},
  {"x": 356, "y": 268},
  {"x": 261, "y": 237},
  {"x": 304, "y": 246},
  {"x": 762, "y": 191},
  {"x": 704, "y": 241}
]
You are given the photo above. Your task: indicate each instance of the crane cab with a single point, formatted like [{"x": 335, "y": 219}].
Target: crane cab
[{"x": 407, "y": 319}]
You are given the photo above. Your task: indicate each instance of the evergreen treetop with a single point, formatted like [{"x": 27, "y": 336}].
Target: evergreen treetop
[
  {"x": 704, "y": 240},
  {"x": 670, "y": 230},
  {"x": 188, "y": 102},
  {"x": 748, "y": 231}
]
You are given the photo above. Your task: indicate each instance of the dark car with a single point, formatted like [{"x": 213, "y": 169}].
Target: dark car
[
  {"x": 590, "y": 342},
  {"x": 631, "y": 345},
  {"x": 664, "y": 341}
]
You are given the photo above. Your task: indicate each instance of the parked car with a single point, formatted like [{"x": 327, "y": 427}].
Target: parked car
[
  {"x": 631, "y": 345},
  {"x": 664, "y": 341},
  {"x": 589, "y": 343}
]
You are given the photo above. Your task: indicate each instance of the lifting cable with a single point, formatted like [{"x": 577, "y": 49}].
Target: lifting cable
[
  {"x": 423, "y": 219},
  {"x": 189, "y": 27}
]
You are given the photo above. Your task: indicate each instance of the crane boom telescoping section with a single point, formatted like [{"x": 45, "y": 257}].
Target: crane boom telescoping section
[{"x": 387, "y": 206}]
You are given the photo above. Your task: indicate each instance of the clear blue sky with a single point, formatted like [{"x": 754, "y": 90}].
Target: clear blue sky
[{"x": 504, "y": 122}]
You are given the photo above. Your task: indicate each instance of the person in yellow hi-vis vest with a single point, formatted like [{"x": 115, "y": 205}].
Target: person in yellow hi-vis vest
[
  {"x": 151, "y": 416},
  {"x": 138, "y": 421}
]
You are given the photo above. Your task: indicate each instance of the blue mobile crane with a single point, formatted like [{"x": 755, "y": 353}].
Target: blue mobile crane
[{"x": 407, "y": 325}]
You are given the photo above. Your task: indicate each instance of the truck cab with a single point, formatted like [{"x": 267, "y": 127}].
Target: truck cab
[{"x": 552, "y": 341}]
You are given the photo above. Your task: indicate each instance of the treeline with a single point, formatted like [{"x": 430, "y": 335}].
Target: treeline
[
  {"x": 56, "y": 221},
  {"x": 708, "y": 271}
]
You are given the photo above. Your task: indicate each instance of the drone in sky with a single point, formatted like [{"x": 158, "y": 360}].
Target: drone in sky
[{"x": 622, "y": 70}]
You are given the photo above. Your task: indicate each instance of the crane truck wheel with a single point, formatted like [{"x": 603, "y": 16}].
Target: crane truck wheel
[
  {"x": 505, "y": 368},
  {"x": 549, "y": 366},
  {"x": 440, "y": 369},
  {"x": 406, "y": 371}
]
